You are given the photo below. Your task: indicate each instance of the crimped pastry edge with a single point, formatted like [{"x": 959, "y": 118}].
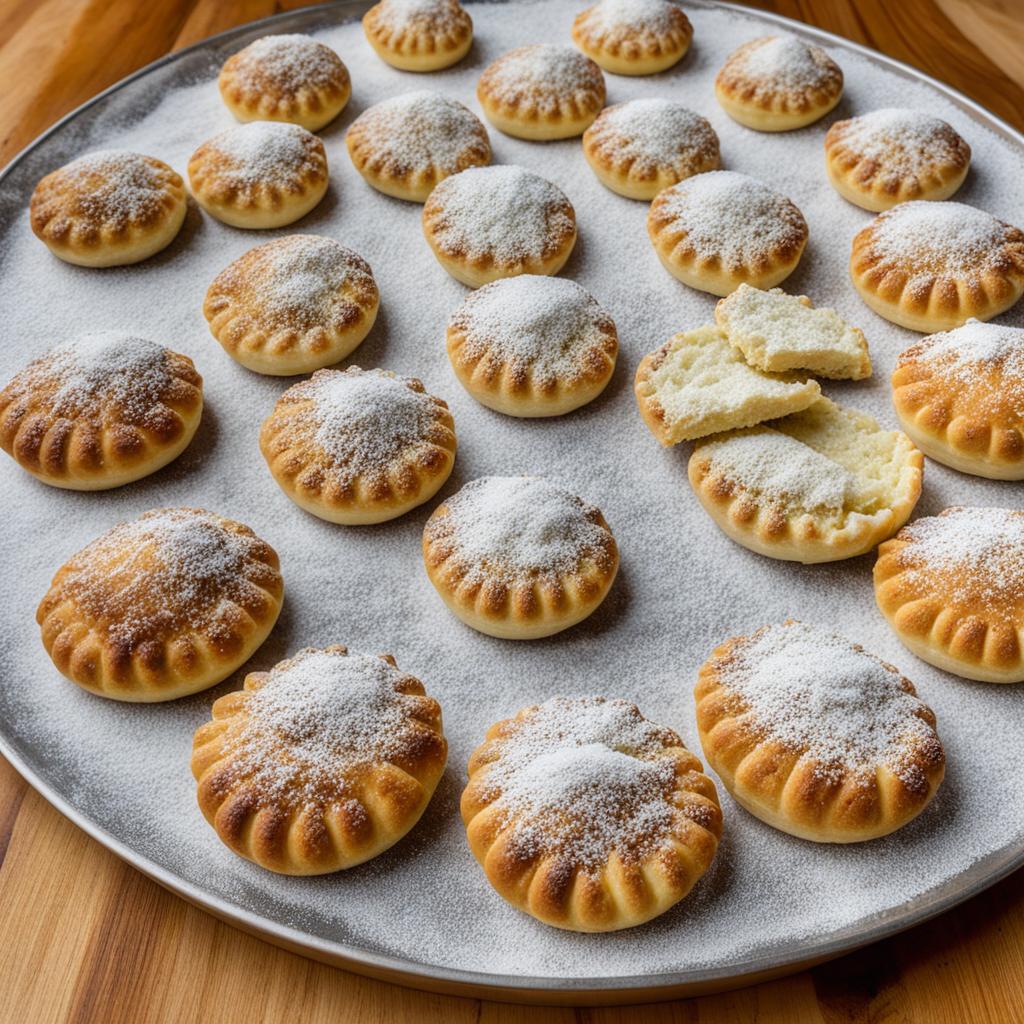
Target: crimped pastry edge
[
  {"x": 622, "y": 53},
  {"x": 410, "y": 50}
]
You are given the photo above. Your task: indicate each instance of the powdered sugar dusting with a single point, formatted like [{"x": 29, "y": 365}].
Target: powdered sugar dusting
[
  {"x": 786, "y": 62},
  {"x": 658, "y": 133},
  {"x": 289, "y": 63},
  {"x": 545, "y": 73},
  {"x": 263, "y": 152},
  {"x": 437, "y": 15},
  {"x": 977, "y": 347},
  {"x": 902, "y": 143},
  {"x": 633, "y": 15}
]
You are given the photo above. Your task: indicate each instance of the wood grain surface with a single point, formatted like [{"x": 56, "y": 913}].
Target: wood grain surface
[{"x": 84, "y": 937}]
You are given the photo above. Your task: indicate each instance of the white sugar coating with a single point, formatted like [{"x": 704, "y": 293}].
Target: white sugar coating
[
  {"x": 658, "y": 133},
  {"x": 263, "y": 152},
  {"x": 635, "y": 15},
  {"x": 290, "y": 62},
  {"x": 684, "y": 587},
  {"x": 437, "y": 14},
  {"x": 977, "y": 346},
  {"x": 785, "y": 62},
  {"x": 546, "y": 73},
  {"x": 901, "y": 141},
  {"x": 116, "y": 187}
]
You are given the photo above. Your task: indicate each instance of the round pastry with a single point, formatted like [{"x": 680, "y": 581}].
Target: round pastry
[
  {"x": 264, "y": 174},
  {"x": 960, "y": 397},
  {"x": 108, "y": 209},
  {"x": 815, "y": 736},
  {"x": 359, "y": 446},
  {"x": 541, "y": 92},
  {"x": 890, "y": 156},
  {"x": 778, "y": 83},
  {"x": 718, "y": 230},
  {"x": 100, "y": 410},
  {"x": 321, "y": 763},
  {"x": 952, "y": 588},
  {"x": 486, "y": 223},
  {"x": 518, "y": 557},
  {"x": 641, "y": 147},
  {"x": 532, "y": 346},
  {"x": 404, "y": 146},
  {"x": 933, "y": 266},
  {"x": 816, "y": 486},
  {"x": 419, "y": 35},
  {"x": 162, "y": 606},
  {"x": 292, "y": 305},
  {"x": 587, "y": 816},
  {"x": 286, "y": 78},
  {"x": 633, "y": 37}
]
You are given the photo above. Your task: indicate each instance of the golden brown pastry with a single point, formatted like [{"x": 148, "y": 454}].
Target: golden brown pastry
[
  {"x": 419, "y": 35},
  {"x": 633, "y": 37}
]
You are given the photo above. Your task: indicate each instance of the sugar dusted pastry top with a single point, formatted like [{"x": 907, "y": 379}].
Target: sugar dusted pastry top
[
  {"x": 418, "y": 26},
  {"x": 633, "y": 28},
  {"x": 780, "y": 72},
  {"x": 544, "y": 80}
]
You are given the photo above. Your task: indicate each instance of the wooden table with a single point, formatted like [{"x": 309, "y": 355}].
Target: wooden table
[{"x": 84, "y": 937}]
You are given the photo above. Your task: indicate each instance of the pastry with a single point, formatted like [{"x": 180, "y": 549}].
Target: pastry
[
  {"x": 519, "y": 557},
  {"x": 587, "y": 816},
  {"x": 952, "y": 588},
  {"x": 486, "y": 223},
  {"x": 108, "y": 208},
  {"x": 404, "y": 146},
  {"x": 292, "y": 305},
  {"x": 264, "y": 174},
  {"x": 815, "y": 736},
  {"x": 541, "y": 92},
  {"x": 162, "y": 606},
  {"x": 633, "y": 37},
  {"x": 321, "y": 763},
  {"x": 100, "y": 410},
  {"x": 779, "y": 332},
  {"x": 532, "y": 346},
  {"x": 419, "y": 35},
  {"x": 819, "y": 485},
  {"x": 889, "y": 156},
  {"x": 697, "y": 384},
  {"x": 718, "y": 230},
  {"x": 778, "y": 83},
  {"x": 643, "y": 146},
  {"x": 286, "y": 78},
  {"x": 933, "y": 266},
  {"x": 358, "y": 446},
  {"x": 960, "y": 397}
]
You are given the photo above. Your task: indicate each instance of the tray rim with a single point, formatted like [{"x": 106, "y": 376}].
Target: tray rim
[{"x": 600, "y": 990}]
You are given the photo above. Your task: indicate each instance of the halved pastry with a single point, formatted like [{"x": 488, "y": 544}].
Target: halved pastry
[
  {"x": 406, "y": 145},
  {"x": 697, "y": 384},
  {"x": 587, "y": 816},
  {"x": 541, "y": 92},
  {"x": 960, "y": 397},
  {"x": 815, "y": 736},
  {"x": 162, "y": 606},
  {"x": 816, "y": 486},
  {"x": 292, "y": 305},
  {"x": 952, "y": 588},
  {"x": 264, "y": 174},
  {"x": 419, "y": 35},
  {"x": 778, "y": 83},
  {"x": 486, "y": 223},
  {"x": 532, "y": 346},
  {"x": 320, "y": 764},
  {"x": 359, "y": 446},
  {"x": 718, "y": 230},
  {"x": 780, "y": 332},
  {"x": 519, "y": 557},
  {"x": 633, "y": 37},
  {"x": 893, "y": 155},
  {"x": 286, "y": 78},
  {"x": 108, "y": 208},
  {"x": 641, "y": 147},
  {"x": 933, "y": 266}
]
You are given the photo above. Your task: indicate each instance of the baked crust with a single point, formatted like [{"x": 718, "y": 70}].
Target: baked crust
[
  {"x": 933, "y": 266},
  {"x": 290, "y": 78},
  {"x": 271, "y": 802},
  {"x": 264, "y": 174},
  {"x": 508, "y": 592},
  {"x": 778, "y": 83},
  {"x": 162, "y": 606},
  {"x": 359, "y": 446},
  {"x": 108, "y": 208},
  {"x": 952, "y": 588},
  {"x": 614, "y": 38},
  {"x": 539, "y": 857},
  {"x": 423, "y": 36},
  {"x": 292, "y": 305},
  {"x": 782, "y": 777}
]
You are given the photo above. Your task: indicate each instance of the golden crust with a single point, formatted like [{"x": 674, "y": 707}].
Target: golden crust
[
  {"x": 627, "y": 46},
  {"x": 436, "y": 35},
  {"x": 359, "y": 446},
  {"x": 108, "y": 208},
  {"x": 162, "y": 606},
  {"x": 286, "y": 813},
  {"x": 531, "y": 861}
]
